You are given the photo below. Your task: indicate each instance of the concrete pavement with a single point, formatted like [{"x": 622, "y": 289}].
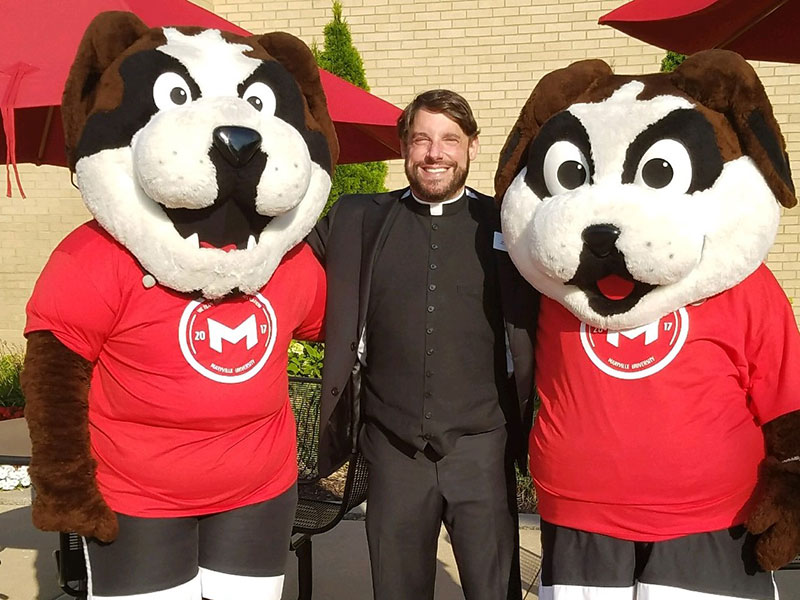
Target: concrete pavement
[
  {"x": 27, "y": 566},
  {"x": 340, "y": 559}
]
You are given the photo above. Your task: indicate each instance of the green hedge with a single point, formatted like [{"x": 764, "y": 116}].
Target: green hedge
[{"x": 10, "y": 368}]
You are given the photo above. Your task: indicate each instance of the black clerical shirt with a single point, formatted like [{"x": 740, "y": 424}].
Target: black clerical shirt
[{"x": 435, "y": 351}]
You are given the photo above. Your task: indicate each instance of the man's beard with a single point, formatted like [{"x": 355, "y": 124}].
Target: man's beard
[{"x": 438, "y": 191}]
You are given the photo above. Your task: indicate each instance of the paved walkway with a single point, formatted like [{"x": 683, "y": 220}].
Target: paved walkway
[{"x": 341, "y": 562}]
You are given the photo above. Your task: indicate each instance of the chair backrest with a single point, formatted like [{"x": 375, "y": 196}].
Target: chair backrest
[
  {"x": 316, "y": 514},
  {"x": 304, "y": 394}
]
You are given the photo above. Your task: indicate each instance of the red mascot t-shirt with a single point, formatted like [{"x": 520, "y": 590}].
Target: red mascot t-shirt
[
  {"x": 655, "y": 433},
  {"x": 189, "y": 409}
]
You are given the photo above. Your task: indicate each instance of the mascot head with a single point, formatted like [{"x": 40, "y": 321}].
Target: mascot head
[
  {"x": 625, "y": 198},
  {"x": 207, "y": 155}
]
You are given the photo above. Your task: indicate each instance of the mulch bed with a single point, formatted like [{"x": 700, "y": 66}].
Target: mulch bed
[{"x": 329, "y": 488}]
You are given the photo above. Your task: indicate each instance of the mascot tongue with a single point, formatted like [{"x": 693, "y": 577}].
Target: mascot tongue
[{"x": 614, "y": 287}]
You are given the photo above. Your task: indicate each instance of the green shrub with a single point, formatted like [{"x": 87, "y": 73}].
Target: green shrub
[
  {"x": 305, "y": 359},
  {"x": 671, "y": 60},
  {"x": 338, "y": 55},
  {"x": 356, "y": 178},
  {"x": 526, "y": 494},
  {"x": 10, "y": 368}
]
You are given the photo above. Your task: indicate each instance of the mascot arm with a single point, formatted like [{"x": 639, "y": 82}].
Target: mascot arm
[
  {"x": 776, "y": 516},
  {"x": 55, "y": 381}
]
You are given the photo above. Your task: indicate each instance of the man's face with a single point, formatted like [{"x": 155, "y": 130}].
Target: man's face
[{"x": 437, "y": 154}]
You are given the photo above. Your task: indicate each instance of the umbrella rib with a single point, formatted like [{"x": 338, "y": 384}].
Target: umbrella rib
[
  {"x": 360, "y": 127},
  {"x": 750, "y": 25}
]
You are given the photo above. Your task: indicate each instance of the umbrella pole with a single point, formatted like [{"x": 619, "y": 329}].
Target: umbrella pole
[
  {"x": 45, "y": 134},
  {"x": 750, "y": 25}
]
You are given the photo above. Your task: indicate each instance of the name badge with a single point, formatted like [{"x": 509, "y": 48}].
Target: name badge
[{"x": 499, "y": 244}]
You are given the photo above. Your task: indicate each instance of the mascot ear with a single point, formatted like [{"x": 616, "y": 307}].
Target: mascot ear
[
  {"x": 554, "y": 92},
  {"x": 295, "y": 56},
  {"x": 108, "y": 35},
  {"x": 724, "y": 82}
]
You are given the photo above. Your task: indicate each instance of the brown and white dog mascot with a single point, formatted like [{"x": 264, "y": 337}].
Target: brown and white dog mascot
[
  {"x": 155, "y": 375},
  {"x": 666, "y": 452}
]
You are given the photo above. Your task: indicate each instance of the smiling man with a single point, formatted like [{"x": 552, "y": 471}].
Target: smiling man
[{"x": 415, "y": 367}]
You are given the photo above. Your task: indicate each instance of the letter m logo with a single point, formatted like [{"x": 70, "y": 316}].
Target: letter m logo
[
  {"x": 218, "y": 332},
  {"x": 650, "y": 334}
]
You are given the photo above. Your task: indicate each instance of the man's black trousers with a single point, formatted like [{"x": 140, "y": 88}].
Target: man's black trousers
[{"x": 471, "y": 490}]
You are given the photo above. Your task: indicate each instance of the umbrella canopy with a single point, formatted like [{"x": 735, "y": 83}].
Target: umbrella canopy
[
  {"x": 756, "y": 29},
  {"x": 39, "y": 38}
]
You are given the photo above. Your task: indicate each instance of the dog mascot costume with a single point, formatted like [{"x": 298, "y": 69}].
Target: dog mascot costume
[
  {"x": 155, "y": 375},
  {"x": 666, "y": 452}
]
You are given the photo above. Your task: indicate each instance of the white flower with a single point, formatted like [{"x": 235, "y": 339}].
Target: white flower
[{"x": 12, "y": 478}]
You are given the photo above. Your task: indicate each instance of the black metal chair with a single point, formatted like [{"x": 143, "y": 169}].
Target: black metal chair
[
  {"x": 316, "y": 512},
  {"x": 792, "y": 566}
]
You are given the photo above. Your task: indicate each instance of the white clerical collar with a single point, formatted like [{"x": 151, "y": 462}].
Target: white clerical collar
[{"x": 436, "y": 207}]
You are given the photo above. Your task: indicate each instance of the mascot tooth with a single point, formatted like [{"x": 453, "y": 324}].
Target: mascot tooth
[
  {"x": 665, "y": 452},
  {"x": 155, "y": 373}
]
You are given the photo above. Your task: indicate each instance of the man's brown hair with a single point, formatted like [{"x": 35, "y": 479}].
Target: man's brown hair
[{"x": 439, "y": 101}]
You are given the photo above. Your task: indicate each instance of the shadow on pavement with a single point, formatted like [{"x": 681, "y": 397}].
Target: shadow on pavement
[{"x": 27, "y": 566}]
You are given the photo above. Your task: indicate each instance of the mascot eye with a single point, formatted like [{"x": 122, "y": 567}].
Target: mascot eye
[
  {"x": 565, "y": 168},
  {"x": 171, "y": 90},
  {"x": 261, "y": 97},
  {"x": 665, "y": 166}
]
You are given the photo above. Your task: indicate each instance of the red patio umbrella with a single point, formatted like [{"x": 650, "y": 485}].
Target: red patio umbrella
[
  {"x": 756, "y": 29},
  {"x": 39, "y": 38}
]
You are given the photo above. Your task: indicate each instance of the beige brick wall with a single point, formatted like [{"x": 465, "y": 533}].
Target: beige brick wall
[
  {"x": 29, "y": 230},
  {"x": 492, "y": 52}
]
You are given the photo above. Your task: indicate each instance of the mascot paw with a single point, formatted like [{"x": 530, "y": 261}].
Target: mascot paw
[
  {"x": 91, "y": 518},
  {"x": 776, "y": 518}
]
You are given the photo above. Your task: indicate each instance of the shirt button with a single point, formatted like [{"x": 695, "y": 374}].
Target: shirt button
[
  {"x": 427, "y": 436},
  {"x": 335, "y": 391},
  {"x": 429, "y": 351},
  {"x": 428, "y": 373},
  {"x": 353, "y": 345},
  {"x": 434, "y": 226},
  {"x": 433, "y": 267},
  {"x": 428, "y": 394},
  {"x": 429, "y": 330},
  {"x": 428, "y": 415},
  {"x": 432, "y": 287},
  {"x": 431, "y": 309},
  {"x": 434, "y": 246}
]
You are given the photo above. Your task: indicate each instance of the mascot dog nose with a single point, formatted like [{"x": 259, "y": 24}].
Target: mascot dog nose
[
  {"x": 236, "y": 144},
  {"x": 600, "y": 239}
]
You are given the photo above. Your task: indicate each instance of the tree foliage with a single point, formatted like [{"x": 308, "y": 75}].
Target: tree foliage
[
  {"x": 671, "y": 60},
  {"x": 340, "y": 57}
]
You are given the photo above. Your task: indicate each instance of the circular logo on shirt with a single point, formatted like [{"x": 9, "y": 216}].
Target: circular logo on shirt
[
  {"x": 228, "y": 341},
  {"x": 636, "y": 353}
]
